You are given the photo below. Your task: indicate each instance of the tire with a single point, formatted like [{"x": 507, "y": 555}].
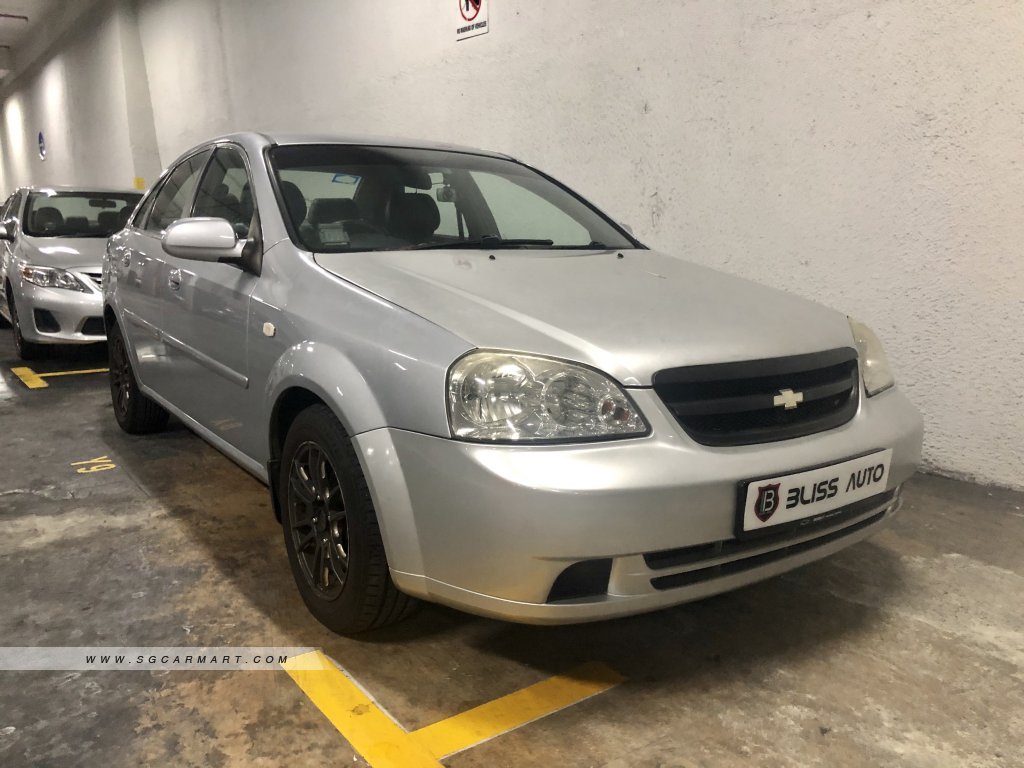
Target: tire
[
  {"x": 26, "y": 350},
  {"x": 331, "y": 532},
  {"x": 135, "y": 413}
]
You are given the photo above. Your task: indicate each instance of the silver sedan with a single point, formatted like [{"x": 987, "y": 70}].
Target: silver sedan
[
  {"x": 465, "y": 383},
  {"x": 51, "y": 258}
]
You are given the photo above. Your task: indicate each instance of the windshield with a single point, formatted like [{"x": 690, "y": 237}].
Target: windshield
[
  {"x": 347, "y": 198},
  {"x": 77, "y": 214}
]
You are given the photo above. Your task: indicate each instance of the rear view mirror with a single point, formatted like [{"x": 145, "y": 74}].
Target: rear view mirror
[{"x": 202, "y": 239}]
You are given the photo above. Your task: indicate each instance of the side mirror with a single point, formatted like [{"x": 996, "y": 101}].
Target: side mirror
[
  {"x": 202, "y": 239},
  {"x": 7, "y": 232}
]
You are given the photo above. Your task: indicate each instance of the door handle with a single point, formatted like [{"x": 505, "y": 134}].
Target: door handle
[{"x": 174, "y": 279}]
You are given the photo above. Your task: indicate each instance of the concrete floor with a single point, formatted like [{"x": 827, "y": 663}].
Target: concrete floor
[{"x": 904, "y": 650}]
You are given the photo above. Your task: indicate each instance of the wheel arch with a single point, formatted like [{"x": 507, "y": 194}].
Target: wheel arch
[{"x": 297, "y": 382}]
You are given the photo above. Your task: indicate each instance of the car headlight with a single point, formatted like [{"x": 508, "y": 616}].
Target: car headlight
[
  {"x": 508, "y": 397},
  {"x": 874, "y": 367},
  {"x": 51, "y": 277}
]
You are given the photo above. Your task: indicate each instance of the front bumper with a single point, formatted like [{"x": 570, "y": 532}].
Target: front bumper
[
  {"x": 60, "y": 316},
  {"x": 488, "y": 529}
]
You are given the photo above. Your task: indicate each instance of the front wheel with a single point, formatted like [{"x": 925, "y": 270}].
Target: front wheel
[
  {"x": 330, "y": 529},
  {"x": 135, "y": 413},
  {"x": 26, "y": 350}
]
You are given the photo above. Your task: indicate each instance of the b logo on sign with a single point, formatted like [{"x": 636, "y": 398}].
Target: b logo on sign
[
  {"x": 767, "y": 501},
  {"x": 470, "y": 8}
]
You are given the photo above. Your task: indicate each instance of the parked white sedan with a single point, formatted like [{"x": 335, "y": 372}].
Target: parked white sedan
[{"x": 51, "y": 259}]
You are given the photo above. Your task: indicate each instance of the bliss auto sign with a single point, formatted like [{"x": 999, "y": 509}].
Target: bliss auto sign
[{"x": 472, "y": 18}]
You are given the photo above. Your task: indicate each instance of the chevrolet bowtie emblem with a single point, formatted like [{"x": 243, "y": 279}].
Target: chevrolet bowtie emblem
[{"x": 788, "y": 398}]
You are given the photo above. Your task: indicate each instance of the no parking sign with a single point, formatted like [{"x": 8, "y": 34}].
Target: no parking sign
[{"x": 472, "y": 18}]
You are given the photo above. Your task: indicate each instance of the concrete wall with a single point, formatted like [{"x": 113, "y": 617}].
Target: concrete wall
[
  {"x": 862, "y": 152},
  {"x": 73, "y": 91}
]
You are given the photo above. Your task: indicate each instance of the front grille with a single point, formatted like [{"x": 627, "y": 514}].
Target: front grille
[
  {"x": 96, "y": 277},
  {"x": 735, "y": 403},
  {"x": 731, "y": 556},
  {"x": 93, "y": 326}
]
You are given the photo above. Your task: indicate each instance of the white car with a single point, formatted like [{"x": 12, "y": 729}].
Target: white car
[{"x": 51, "y": 258}]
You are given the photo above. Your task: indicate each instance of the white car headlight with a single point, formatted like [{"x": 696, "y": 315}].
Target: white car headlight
[
  {"x": 51, "y": 277},
  {"x": 508, "y": 397},
  {"x": 874, "y": 367}
]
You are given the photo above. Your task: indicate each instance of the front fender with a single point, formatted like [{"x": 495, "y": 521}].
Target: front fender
[{"x": 332, "y": 377}]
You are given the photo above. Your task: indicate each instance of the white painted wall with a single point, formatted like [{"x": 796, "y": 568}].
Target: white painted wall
[
  {"x": 74, "y": 93},
  {"x": 867, "y": 153}
]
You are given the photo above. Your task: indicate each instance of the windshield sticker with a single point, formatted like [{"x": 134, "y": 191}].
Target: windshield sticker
[{"x": 346, "y": 178}]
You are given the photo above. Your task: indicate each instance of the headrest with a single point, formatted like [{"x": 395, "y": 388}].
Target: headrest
[
  {"x": 294, "y": 201},
  {"x": 109, "y": 221},
  {"x": 327, "y": 210},
  {"x": 47, "y": 217},
  {"x": 413, "y": 216}
]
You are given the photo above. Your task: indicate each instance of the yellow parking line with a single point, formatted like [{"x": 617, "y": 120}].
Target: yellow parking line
[
  {"x": 34, "y": 380},
  {"x": 73, "y": 373},
  {"x": 374, "y": 735},
  {"x": 383, "y": 743},
  {"x": 29, "y": 378},
  {"x": 516, "y": 709}
]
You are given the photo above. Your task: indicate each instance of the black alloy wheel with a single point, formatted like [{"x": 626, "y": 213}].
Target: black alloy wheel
[
  {"x": 318, "y": 520},
  {"x": 120, "y": 375},
  {"x": 135, "y": 413},
  {"x": 334, "y": 544}
]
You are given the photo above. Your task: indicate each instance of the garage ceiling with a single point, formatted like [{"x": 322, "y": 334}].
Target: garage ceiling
[{"x": 18, "y": 19}]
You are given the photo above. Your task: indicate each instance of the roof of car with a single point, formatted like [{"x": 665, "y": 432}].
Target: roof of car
[
  {"x": 78, "y": 188},
  {"x": 372, "y": 141}
]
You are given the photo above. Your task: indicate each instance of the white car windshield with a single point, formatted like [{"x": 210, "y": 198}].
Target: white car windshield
[
  {"x": 51, "y": 213},
  {"x": 352, "y": 198}
]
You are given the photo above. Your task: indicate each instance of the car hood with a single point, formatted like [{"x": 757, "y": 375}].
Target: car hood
[
  {"x": 628, "y": 316},
  {"x": 63, "y": 252}
]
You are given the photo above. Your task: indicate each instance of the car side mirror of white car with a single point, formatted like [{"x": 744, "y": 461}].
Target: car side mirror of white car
[
  {"x": 7, "y": 232},
  {"x": 202, "y": 239}
]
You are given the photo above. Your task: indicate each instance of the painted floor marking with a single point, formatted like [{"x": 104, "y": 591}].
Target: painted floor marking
[
  {"x": 384, "y": 743},
  {"x": 517, "y": 709},
  {"x": 379, "y": 739},
  {"x": 34, "y": 380}
]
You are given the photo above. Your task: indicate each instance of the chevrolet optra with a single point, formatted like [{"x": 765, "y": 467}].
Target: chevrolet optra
[{"x": 464, "y": 383}]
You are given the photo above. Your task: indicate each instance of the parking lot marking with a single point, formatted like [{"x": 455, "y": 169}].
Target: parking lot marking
[
  {"x": 517, "y": 709},
  {"x": 34, "y": 380},
  {"x": 29, "y": 378},
  {"x": 101, "y": 464},
  {"x": 379, "y": 739},
  {"x": 384, "y": 743}
]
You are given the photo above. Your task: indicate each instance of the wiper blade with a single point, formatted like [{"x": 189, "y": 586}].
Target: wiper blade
[
  {"x": 594, "y": 245},
  {"x": 483, "y": 243}
]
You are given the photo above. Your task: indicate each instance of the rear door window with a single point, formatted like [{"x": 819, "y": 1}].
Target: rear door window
[
  {"x": 174, "y": 199},
  {"x": 225, "y": 191}
]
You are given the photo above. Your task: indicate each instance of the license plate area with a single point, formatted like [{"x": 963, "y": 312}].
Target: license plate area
[{"x": 773, "y": 504}]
